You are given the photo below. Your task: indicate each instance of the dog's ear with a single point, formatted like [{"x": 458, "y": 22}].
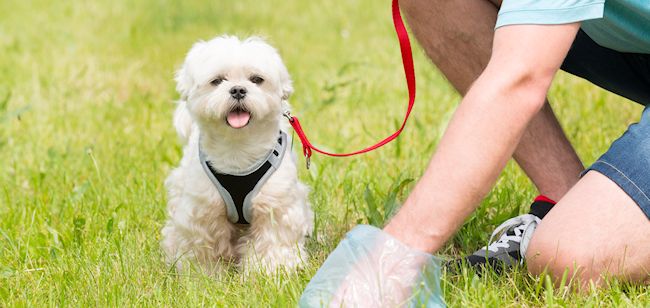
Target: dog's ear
[{"x": 184, "y": 82}]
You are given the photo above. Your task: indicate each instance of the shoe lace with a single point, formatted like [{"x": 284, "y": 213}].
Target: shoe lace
[{"x": 518, "y": 225}]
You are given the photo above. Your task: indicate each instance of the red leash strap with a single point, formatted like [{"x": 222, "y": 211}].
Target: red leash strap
[{"x": 407, "y": 61}]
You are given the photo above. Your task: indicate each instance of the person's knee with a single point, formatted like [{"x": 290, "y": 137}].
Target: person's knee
[
  {"x": 547, "y": 255},
  {"x": 540, "y": 254}
]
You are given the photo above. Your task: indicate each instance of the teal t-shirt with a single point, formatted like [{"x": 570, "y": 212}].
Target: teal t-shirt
[{"x": 622, "y": 25}]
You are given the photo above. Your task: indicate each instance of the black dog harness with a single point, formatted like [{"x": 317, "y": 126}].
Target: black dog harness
[{"x": 237, "y": 190}]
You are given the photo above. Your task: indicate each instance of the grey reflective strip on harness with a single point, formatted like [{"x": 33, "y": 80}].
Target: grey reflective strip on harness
[{"x": 245, "y": 177}]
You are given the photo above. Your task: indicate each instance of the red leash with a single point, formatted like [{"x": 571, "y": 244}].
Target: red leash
[{"x": 407, "y": 60}]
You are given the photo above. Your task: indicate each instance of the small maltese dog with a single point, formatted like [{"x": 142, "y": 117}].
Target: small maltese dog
[{"x": 235, "y": 197}]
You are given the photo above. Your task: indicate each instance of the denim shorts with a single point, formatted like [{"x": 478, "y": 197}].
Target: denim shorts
[{"x": 627, "y": 162}]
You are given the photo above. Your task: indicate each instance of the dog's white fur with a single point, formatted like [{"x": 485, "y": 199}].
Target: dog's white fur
[{"x": 198, "y": 228}]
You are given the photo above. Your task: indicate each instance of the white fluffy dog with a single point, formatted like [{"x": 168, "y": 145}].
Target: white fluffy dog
[{"x": 230, "y": 119}]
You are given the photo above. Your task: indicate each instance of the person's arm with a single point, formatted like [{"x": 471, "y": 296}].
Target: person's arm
[
  {"x": 371, "y": 267},
  {"x": 483, "y": 133}
]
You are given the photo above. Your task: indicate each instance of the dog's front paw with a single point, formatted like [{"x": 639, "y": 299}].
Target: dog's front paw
[{"x": 273, "y": 259}]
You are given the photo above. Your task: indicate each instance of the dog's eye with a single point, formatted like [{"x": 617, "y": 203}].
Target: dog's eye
[
  {"x": 257, "y": 79},
  {"x": 217, "y": 81}
]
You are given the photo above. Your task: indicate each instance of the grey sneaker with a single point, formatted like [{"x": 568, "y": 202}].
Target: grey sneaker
[{"x": 513, "y": 236}]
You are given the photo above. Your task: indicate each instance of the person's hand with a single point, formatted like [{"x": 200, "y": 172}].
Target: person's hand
[{"x": 369, "y": 268}]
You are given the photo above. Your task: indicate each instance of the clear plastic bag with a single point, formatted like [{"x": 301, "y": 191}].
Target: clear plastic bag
[{"x": 370, "y": 268}]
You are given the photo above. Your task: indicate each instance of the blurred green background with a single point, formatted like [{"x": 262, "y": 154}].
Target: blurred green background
[{"x": 86, "y": 140}]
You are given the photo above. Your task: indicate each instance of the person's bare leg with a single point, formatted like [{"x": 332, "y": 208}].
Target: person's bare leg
[
  {"x": 597, "y": 229},
  {"x": 457, "y": 36},
  {"x": 547, "y": 157}
]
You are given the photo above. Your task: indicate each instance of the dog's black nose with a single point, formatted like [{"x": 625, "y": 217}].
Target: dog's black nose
[{"x": 238, "y": 92}]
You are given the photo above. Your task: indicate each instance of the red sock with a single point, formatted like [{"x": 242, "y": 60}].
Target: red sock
[
  {"x": 545, "y": 199},
  {"x": 541, "y": 206}
]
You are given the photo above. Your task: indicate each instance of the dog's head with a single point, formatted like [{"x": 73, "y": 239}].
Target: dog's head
[{"x": 238, "y": 84}]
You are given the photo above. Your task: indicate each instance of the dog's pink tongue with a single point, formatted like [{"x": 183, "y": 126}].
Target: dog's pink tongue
[{"x": 238, "y": 119}]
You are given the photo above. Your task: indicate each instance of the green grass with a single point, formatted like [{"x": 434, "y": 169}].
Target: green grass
[{"x": 86, "y": 141}]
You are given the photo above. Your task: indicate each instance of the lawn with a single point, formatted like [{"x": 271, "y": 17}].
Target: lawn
[{"x": 86, "y": 140}]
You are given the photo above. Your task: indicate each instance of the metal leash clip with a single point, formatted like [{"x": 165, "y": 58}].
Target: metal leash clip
[{"x": 287, "y": 114}]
